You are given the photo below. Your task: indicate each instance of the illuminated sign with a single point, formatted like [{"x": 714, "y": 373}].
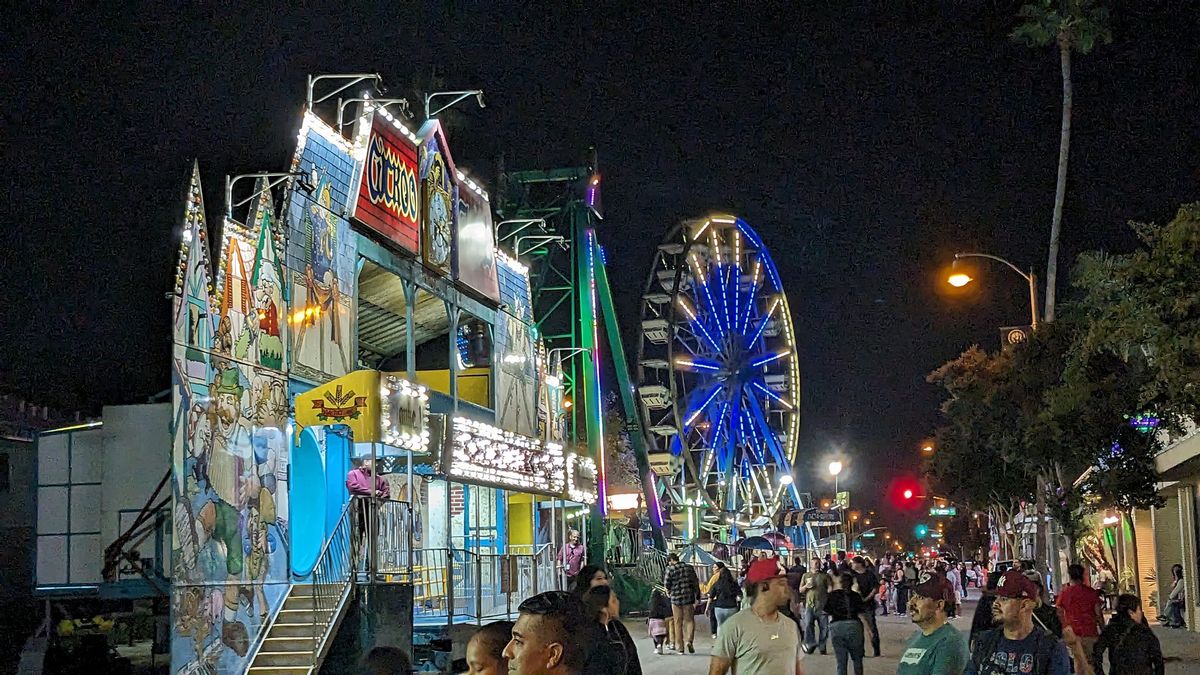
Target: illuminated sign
[
  {"x": 482, "y": 453},
  {"x": 475, "y": 249},
  {"x": 403, "y": 407},
  {"x": 389, "y": 196},
  {"x": 943, "y": 511},
  {"x": 935, "y": 535},
  {"x": 868, "y": 535},
  {"x": 581, "y": 479}
]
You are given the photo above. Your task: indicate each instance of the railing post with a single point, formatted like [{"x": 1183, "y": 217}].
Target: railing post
[
  {"x": 479, "y": 589},
  {"x": 449, "y": 587}
]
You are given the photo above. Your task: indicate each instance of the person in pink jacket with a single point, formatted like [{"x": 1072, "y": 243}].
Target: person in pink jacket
[{"x": 359, "y": 481}]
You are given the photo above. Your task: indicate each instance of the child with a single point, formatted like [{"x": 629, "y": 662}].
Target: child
[
  {"x": 660, "y": 616},
  {"x": 485, "y": 651}
]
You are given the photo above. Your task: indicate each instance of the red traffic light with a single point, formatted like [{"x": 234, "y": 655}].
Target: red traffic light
[{"x": 904, "y": 493}]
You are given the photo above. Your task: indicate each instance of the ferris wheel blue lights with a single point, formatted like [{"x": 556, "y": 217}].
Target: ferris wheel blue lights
[{"x": 723, "y": 400}]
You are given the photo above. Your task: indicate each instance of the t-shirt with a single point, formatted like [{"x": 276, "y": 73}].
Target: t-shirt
[
  {"x": 867, "y": 582},
  {"x": 842, "y": 604},
  {"x": 759, "y": 647},
  {"x": 1017, "y": 656},
  {"x": 819, "y": 592},
  {"x": 942, "y": 652},
  {"x": 1078, "y": 603}
]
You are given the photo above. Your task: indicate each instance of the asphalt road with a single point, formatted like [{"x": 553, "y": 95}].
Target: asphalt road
[{"x": 1182, "y": 649}]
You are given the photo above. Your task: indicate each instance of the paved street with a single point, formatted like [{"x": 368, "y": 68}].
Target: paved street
[{"x": 1181, "y": 649}]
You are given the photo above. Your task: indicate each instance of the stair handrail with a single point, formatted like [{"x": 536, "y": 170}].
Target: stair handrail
[{"x": 325, "y": 576}]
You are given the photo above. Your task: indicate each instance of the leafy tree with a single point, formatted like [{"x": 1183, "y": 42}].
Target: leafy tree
[
  {"x": 1038, "y": 416},
  {"x": 1071, "y": 25},
  {"x": 1143, "y": 309}
]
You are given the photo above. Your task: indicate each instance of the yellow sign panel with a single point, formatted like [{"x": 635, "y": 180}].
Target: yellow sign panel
[{"x": 351, "y": 399}]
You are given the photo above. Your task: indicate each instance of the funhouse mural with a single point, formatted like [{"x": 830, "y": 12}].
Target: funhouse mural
[
  {"x": 516, "y": 370},
  {"x": 320, "y": 255},
  {"x": 230, "y": 455}
]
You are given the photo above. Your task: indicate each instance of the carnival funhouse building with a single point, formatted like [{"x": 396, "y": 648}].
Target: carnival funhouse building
[{"x": 372, "y": 317}]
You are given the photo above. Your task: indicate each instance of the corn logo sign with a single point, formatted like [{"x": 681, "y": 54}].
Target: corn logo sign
[{"x": 388, "y": 196}]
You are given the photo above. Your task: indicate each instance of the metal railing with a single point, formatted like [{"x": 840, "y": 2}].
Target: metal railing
[
  {"x": 383, "y": 541},
  {"x": 453, "y": 583},
  {"x": 331, "y": 578}
]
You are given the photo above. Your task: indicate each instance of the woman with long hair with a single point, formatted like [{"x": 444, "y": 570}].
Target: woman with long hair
[
  {"x": 1175, "y": 599},
  {"x": 618, "y": 656},
  {"x": 590, "y": 576},
  {"x": 724, "y": 595},
  {"x": 1131, "y": 645}
]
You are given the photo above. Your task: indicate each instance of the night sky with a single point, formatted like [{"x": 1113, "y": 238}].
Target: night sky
[{"x": 866, "y": 142}]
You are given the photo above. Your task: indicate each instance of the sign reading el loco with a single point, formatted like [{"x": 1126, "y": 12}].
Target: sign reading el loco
[{"x": 389, "y": 200}]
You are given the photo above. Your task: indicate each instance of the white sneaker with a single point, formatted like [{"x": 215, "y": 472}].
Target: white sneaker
[{"x": 658, "y": 649}]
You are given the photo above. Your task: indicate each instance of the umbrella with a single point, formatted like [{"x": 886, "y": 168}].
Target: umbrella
[
  {"x": 755, "y": 544},
  {"x": 778, "y": 539},
  {"x": 694, "y": 555}
]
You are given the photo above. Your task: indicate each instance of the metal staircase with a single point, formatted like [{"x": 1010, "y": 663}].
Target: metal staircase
[{"x": 299, "y": 636}]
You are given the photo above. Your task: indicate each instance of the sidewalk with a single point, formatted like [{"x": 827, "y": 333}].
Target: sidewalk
[{"x": 1181, "y": 648}]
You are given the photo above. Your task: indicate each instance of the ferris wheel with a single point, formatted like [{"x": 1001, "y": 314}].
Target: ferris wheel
[{"x": 718, "y": 377}]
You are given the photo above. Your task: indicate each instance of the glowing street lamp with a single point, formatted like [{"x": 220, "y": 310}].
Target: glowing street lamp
[
  {"x": 959, "y": 280},
  {"x": 835, "y": 468}
]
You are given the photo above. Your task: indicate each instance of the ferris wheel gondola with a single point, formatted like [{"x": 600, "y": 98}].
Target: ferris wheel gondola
[{"x": 718, "y": 378}]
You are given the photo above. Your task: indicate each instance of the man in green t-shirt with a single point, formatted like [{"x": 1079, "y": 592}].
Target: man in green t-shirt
[
  {"x": 938, "y": 648},
  {"x": 815, "y": 585}
]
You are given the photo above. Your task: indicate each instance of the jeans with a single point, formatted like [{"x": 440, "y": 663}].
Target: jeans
[
  {"x": 901, "y": 599},
  {"x": 847, "y": 638},
  {"x": 816, "y": 628},
  {"x": 1175, "y": 614},
  {"x": 874, "y": 630},
  {"x": 722, "y": 615}
]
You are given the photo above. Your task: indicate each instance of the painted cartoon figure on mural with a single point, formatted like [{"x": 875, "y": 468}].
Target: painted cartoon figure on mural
[
  {"x": 324, "y": 309},
  {"x": 439, "y": 204},
  {"x": 267, "y": 302},
  {"x": 232, "y": 488}
]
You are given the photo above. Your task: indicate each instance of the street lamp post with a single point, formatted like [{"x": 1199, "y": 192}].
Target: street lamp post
[
  {"x": 458, "y": 96},
  {"x": 959, "y": 280}
]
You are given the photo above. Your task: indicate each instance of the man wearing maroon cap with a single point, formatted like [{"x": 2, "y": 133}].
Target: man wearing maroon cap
[
  {"x": 759, "y": 640},
  {"x": 1017, "y": 646},
  {"x": 938, "y": 647}
]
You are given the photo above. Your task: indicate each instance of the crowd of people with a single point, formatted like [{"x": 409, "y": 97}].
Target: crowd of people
[{"x": 767, "y": 617}]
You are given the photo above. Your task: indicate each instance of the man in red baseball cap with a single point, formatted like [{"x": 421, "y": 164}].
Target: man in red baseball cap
[
  {"x": 1017, "y": 646},
  {"x": 759, "y": 640}
]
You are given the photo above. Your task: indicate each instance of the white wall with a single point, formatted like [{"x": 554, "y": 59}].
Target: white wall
[{"x": 137, "y": 454}]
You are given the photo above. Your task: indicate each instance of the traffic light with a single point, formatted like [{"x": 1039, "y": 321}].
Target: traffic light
[
  {"x": 922, "y": 531},
  {"x": 905, "y": 493}
]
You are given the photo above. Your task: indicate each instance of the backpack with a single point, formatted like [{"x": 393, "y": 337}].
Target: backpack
[{"x": 1043, "y": 649}]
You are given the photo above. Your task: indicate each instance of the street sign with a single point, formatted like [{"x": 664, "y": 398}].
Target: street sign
[
  {"x": 868, "y": 535},
  {"x": 935, "y": 534},
  {"x": 821, "y": 516},
  {"x": 943, "y": 511}
]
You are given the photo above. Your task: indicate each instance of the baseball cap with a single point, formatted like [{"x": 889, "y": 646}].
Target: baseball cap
[
  {"x": 763, "y": 569},
  {"x": 1013, "y": 584},
  {"x": 929, "y": 585}
]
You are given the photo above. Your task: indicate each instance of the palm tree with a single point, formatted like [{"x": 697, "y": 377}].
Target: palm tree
[{"x": 1072, "y": 25}]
